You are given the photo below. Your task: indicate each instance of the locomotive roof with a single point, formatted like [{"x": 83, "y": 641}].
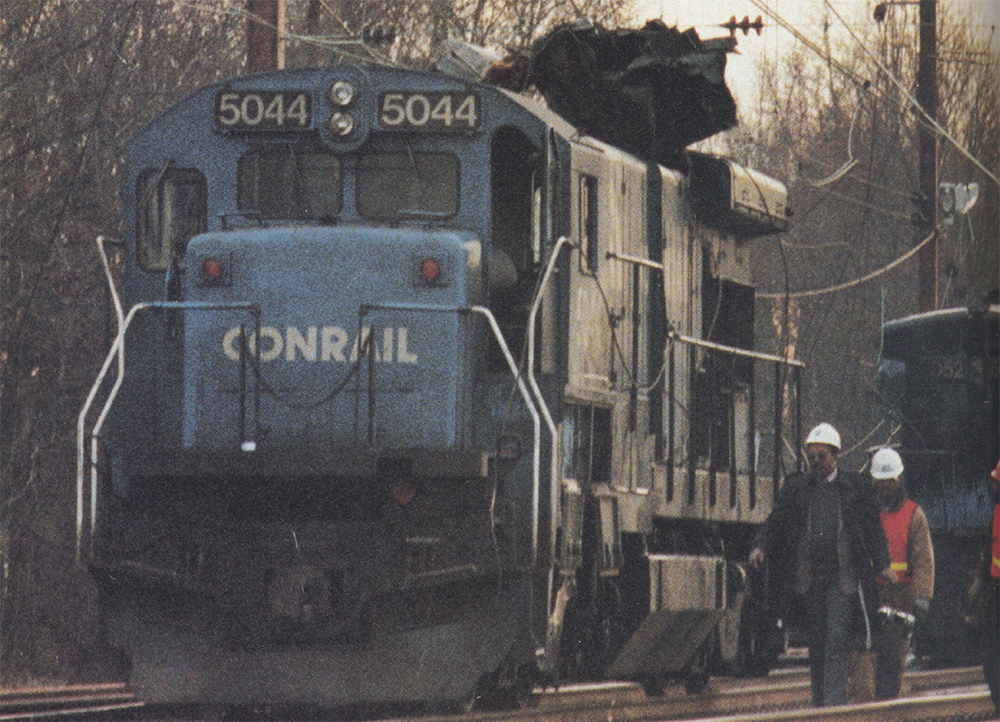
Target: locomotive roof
[
  {"x": 187, "y": 111},
  {"x": 944, "y": 331},
  {"x": 940, "y": 316}
]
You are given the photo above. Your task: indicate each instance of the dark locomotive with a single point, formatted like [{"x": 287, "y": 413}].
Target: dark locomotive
[
  {"x": 422, "y": 395},
  {"x": 939, "y": 378}
]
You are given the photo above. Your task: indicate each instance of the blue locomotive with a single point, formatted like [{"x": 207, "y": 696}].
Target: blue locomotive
[
  {"x": 939, "y": 378},
  {"x": 423, "y": 395}
]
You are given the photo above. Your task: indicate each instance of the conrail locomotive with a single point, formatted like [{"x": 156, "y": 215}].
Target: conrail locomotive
[
  {"x": 420, "y": 394},
  {"x": 939, "y": 378}
]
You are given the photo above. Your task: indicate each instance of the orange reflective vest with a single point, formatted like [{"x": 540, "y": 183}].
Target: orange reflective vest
[
  {"x": 995, "y": 566},
  {"x": 897, "y": 532}
]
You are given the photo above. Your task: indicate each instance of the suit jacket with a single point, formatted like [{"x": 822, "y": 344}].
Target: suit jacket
[{"x": 861, "y": 543}]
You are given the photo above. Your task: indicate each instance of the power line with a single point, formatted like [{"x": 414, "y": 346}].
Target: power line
[
  {"x": 864, "y": 84},
  {"x": 347, "y": 46},
  {"x": 909, "y": 96},
  {"x": 857, "y": 281},
  {"x": 828, "y": 57}
]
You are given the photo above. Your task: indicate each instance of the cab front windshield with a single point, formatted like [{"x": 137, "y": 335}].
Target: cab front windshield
[
  {"x": 280, "y": 183},
  {"x": 284, "y": 183}
]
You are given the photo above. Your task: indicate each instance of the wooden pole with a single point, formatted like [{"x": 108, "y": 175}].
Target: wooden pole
[
  {"x": 927, "y": 97},
  {"x": 265, "y": 50}
]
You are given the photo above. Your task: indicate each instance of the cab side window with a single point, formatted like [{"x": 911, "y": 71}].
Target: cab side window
[
  {"x": 172, "y": 210},
  {"x": 588, "y": 224}
]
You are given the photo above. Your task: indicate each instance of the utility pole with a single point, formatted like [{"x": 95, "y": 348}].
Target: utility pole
[
  {"x": 265, "y": 35},
  {"x": 927, "y": 97}
]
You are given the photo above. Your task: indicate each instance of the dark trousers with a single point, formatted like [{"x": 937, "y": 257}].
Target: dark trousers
[
  {"x": 892, "y": 647},
  {"x": 830, "y": 612}
]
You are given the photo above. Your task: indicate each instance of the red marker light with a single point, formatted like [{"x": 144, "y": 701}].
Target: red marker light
[
  {"x": 430, "y": 269},
  {"x": 212, "y": 269}
]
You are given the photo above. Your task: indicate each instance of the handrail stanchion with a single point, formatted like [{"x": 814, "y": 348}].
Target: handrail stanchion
[
  {"x": 536, "y": 454},
  {"x": 81, "y": 421},
  {"x": 99, "y": 424}
]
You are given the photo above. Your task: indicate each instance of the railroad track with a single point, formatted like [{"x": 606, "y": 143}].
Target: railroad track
[
  {"x": 954, "y": 694},
  {"x": 77, "y": 702}
]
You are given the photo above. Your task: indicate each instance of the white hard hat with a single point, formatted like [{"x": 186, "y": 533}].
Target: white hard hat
[
  {"x": 886, "y": 464},
  {"x": 824, "y": 434}
]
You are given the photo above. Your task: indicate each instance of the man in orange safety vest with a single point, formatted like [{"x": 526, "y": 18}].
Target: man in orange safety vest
[{"x": 907, "y": 597}]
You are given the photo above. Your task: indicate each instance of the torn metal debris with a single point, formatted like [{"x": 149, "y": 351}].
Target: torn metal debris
[{"x": 651, "y": 91}]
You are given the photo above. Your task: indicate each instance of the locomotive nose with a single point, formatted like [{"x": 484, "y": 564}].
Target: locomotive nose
[{"x": 359, "y": 340}]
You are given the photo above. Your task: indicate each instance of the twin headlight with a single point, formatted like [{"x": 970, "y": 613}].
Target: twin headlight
[{"x": 342, "y": 94}]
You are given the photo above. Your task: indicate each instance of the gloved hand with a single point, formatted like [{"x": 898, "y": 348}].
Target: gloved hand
[
  {"x": 888, "y": 576},
  {"x": 921, "y": 606}
]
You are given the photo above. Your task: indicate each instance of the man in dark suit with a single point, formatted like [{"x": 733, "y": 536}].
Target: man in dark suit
[{"x": 824, "y": 540}]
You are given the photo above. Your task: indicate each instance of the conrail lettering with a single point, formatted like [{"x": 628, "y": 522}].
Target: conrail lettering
[{"x": 321, "y": 343}]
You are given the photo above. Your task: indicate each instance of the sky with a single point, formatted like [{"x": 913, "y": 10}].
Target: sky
[{"x": 806, "y": 16}]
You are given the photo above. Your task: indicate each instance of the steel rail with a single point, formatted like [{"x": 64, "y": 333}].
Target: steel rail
[
  {"x": 70, "y": 702},
  {"x": 975, "y": 705},
  {"x": 782, "y": 696}
]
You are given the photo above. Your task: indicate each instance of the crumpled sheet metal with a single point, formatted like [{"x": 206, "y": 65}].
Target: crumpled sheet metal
[{"x": 651, "y": 91}]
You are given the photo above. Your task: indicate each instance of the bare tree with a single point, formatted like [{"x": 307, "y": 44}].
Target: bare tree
[
  {"x": 969, "y": 77},
  {"x": 409, "y": 32},
  {"x": 75, "y": 80}
]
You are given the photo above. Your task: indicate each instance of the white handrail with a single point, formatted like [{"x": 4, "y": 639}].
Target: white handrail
[
  {"x": 532, "y": 315},
  {"x": 536, "y": 453},
  {"x": 734, "y": 350},
  {"x": 82, "y": 418},
  {"x": 99, "y": 424},
  {"x": 555, "y": 466},
  {"x": 118, "y": 349},
  {"x": 522, "y": 387}
]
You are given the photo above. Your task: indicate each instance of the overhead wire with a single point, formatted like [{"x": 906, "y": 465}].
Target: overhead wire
[
  {"x": 865, "y": 204},
  {"x": 881, "y": 187},
  {"x": 847, "y": 166},
  {"x": 851, "y": 160},
  {"x": 828, "y": 57},
  {"x": 909, "y": 96},
  {"x": 346, "y": 46},
  {"x": 865, "y": 84},
  {"x": 857, "y": 281}
]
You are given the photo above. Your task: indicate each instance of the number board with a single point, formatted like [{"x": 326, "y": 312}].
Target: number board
[
  {"x": 263, "y": 110},
  {"x": 432, "y": 111}
]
